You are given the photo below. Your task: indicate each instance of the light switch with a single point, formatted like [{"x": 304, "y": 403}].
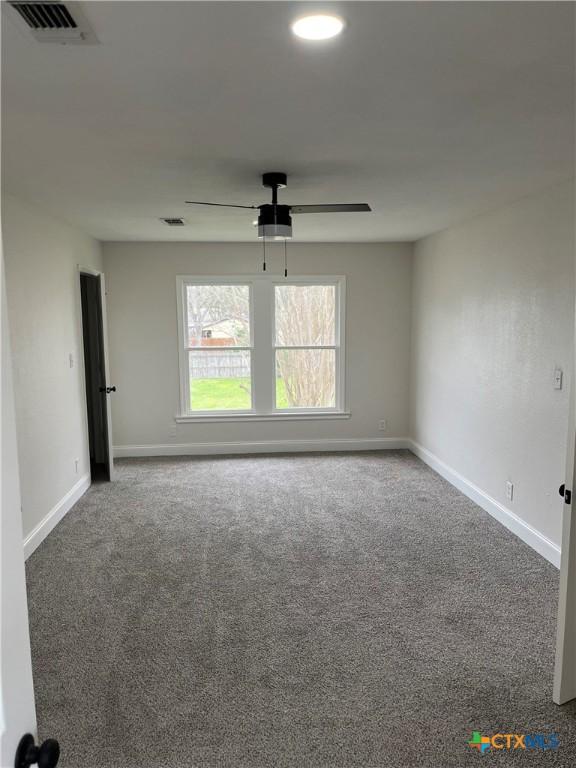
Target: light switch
[
  {"x": 71, "y": 359},
  {"x": 558, "y": 378}
]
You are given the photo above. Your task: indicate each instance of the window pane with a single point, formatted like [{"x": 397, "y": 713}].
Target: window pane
[
  {"x": 305, "y": 378},
  {"x": 220, "y": 380},
  {"x": 218, "y": 315},
  {"x": 305, "y": 315}
]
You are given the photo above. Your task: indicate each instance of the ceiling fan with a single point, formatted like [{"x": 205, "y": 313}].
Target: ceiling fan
[{"x": 274, "y": 219}]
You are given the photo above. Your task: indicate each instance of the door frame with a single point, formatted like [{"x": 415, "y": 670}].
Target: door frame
[
  {"x": 564, "y": 688},
  {"x": 100, "y": 275},
  {"x": 17, "y": 702}
]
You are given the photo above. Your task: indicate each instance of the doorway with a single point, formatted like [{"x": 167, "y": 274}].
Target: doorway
[{"x": 97, "y": 390}]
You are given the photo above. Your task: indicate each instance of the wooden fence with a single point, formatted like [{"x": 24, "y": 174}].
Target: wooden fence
[{"x": 220, "y": 365}]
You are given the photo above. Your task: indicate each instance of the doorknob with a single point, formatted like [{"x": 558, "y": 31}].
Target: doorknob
[
  {"x": 107, "y": 389},
  {"x": 44, "y": 756}
]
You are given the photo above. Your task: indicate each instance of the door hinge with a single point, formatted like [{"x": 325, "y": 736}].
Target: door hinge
[{"x": 566, "y": 494}]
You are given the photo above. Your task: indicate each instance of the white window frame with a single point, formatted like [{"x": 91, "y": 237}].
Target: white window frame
[{"x": 263, "y": 349}]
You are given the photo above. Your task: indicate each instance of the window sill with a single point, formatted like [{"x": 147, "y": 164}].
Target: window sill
[{"x": 308, "y": 416}]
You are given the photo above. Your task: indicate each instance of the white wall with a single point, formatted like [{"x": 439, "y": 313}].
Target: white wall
[
  {"x": 490, "y": 303},
  {"x": 493, "y": 303},
  {"x": 17, "y": 709},
  {"x": 141, "y": 287},
  {"x": 42, "y": 281}
]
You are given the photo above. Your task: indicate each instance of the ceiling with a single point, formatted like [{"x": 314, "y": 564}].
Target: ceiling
[{"x": 431, "y": 112}]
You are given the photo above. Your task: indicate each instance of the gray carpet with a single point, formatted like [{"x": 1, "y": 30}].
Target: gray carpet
[{"x": 318, "y": 611}]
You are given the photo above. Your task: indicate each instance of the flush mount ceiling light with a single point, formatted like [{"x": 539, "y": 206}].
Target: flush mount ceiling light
[{"x": 318, "y": 27}]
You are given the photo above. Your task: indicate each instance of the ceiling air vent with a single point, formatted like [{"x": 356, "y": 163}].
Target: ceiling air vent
[
  {"x": 54, "y": 22},
  {"x": 173, "y": 222}
]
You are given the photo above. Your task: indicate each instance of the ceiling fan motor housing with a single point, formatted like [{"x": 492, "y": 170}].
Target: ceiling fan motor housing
[{"x": 275, "y": 222}]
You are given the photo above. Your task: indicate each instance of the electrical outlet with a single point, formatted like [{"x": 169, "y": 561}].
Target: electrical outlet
[
  {"x": 76, "y": 463},
  {"x": 71, "y": 360},
  {"x": 382, "y": 425},
  {"x": 509, "y": 490}
]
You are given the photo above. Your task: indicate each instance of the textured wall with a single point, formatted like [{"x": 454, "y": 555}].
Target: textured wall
[
  {"x": 141, "y": 286},
  {"x": 493, "y": 315},
  {"x": 43, "y": 285}
]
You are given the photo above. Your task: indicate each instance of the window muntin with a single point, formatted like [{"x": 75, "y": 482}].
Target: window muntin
[{"x": 290, "y": 362}]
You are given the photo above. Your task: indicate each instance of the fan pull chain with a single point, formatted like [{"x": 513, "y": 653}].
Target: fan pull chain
[
  {"x": 264, "y": 263},
  {"x": 285, "y": 258}
]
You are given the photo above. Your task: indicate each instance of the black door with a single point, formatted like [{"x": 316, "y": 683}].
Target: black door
[{"x": 94, "y": 366}]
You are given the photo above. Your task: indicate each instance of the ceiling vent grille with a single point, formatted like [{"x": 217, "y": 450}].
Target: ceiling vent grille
[
  {"x": 54, "y": 22},
  {"x": 172, "y": 221},
  {"x": 45, "y": 15}
]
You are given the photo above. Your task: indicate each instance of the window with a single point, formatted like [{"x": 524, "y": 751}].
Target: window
[
  {"x": 217, "y": 344},
  {"x": 305, "y": 346},
  {"x": 261, "y": 347}
]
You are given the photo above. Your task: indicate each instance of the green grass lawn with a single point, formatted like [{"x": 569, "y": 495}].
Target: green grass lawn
[{"x": 228, "y": 394}]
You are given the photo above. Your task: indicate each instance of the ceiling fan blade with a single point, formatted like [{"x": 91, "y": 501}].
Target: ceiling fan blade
[
  {"x": 220, "y": 205},
  {"x": 336, "y": 208}
]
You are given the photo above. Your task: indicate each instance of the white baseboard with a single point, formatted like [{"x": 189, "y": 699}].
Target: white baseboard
[
  {"x": 268, "y": 446},
  {"x": 509, "y": 519},
  {"x": 39, "y": 533}
]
